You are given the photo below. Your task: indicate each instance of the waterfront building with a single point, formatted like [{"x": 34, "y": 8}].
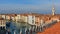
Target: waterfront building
[
  {"x": 37, "y": 21},
  {"x": 13, "y": 18},
  {"x": 17, "y": 17},
  {"x": 24, "y": 17},
  {"x": 2, "y": 23},
  {"x": 3, "y": 16},
  {"x": 31, "y": 19},
  {"x": 8, "y": 17}
]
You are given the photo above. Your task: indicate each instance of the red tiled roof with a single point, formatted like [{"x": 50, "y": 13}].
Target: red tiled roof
[{"x": 55, "y": 29}]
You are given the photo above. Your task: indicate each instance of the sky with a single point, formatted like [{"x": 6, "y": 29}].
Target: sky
[{"x": 40, "y": 6}]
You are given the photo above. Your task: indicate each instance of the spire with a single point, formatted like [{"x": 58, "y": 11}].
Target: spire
[{"x": 53, "y": 9}]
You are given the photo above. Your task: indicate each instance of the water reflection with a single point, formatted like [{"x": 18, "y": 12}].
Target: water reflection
[
  {"x": 25, "y": 28},
  {"x": 18, "y": 28}
]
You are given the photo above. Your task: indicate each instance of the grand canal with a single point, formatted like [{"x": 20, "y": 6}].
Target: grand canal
[{"x": 17, "y": 28}]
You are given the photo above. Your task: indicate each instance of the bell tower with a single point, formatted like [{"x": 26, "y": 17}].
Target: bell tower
[{"x": 53, "y": 9}]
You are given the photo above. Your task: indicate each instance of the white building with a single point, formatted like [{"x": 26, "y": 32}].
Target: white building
[{"x": 31, "y": 19}]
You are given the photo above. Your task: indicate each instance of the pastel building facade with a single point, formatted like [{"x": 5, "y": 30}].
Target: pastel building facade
[
  {"x": 8, "y": 17},
  {"x": 3, "y": 16},
  {"x": 20, "y": 18},
  {"x": 37, "y": 20},
  {"x": 32, "y": 19},
  {"x": 24, "y": 18},
  {"x": 17, "y": 18},
  {"x": 2, "y": 23}
]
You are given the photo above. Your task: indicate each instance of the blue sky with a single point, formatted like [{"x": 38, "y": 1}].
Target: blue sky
[{"x": 31, "y": 5}]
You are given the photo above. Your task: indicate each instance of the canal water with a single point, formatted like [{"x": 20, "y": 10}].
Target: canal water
[
  {"x": 3, "y": 31},
  {"x": 17, "y": 28}
]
